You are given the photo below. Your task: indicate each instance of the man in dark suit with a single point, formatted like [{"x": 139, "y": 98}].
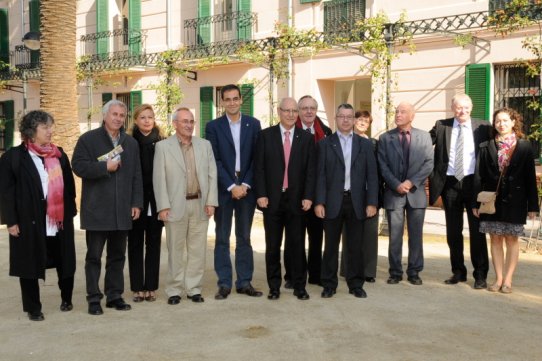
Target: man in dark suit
[
  {"x": 456, "y": 143},
  {"x": 346, "y": 194},
  {"x": 284, "y": 174},
  {"x": 405, "y": 156},
  {"x": 233, "y": 138}
]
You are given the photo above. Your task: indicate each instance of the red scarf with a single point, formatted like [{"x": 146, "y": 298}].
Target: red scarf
[
  {"x": 318, "y": 131},
  {"x": 55, "y": 187}
]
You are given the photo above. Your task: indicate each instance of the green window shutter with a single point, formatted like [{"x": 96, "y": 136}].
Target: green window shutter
[
  {"x": 4, "y": 38},
  {"x": 9, "y": 112},
  {"x": 247, "y": 93},
  {"x": 102, "y": 24},
  {"x": 205, "y": 108},
  {"x": 134, "y": 26},
  {"x": 204, "y": 29},
  {"x": 309, "y": 1},
  {"x": 244, "y": 22},
  {"x": 34, "y": 11},
  {"x": 136, "y": 99},
  {"x": 106, "y": 97},
  {"x": 477, "y": 86}
]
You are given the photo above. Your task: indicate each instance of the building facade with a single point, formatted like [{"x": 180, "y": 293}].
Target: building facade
[{"x": 120, "y": 43}]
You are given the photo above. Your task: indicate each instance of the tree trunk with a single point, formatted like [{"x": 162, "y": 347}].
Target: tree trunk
[{"x": 58, "y": 85}]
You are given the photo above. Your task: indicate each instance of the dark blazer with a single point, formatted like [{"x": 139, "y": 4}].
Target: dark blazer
[
  {"x": 22, "y": 202},
  {"x": 330, "y": 175},
  {"x": 441, "y": 135},
  {"x": 517, "y": 192},
  {"x": 269, "y": 168},
  {"x": 219, "y": 134},
  {"x": 392, "y": 164},
  {"x": 107, "y": 198}
]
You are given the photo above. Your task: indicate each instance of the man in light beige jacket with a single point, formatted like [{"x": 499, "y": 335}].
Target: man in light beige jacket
[{"x": 185, "y": 187}]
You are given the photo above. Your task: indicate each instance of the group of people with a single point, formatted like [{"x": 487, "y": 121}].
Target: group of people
[{"x": 303, "y": 177}]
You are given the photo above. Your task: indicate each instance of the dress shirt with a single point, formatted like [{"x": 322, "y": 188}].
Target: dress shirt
[
  {"x": 283, "y": 133},
  {"x": 192, "y": 184},
  {"x": 469, "y": 154},
  {"x": 346, "y": 145}
]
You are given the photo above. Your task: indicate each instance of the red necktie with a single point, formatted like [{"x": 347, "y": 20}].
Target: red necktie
[{"x": 287, "y": 148}]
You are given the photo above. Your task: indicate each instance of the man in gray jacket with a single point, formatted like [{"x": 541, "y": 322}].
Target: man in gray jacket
[{"x": 107, "y": 160}]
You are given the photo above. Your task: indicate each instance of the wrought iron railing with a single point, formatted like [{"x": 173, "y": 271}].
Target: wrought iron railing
[
  {"x": 24, "y": 58},
  {"x": 118, "y": 43},
  {"x": 532, "y": 11},
  {"x": 340, "y": 16},
  {"x": 227, "y": 27}
]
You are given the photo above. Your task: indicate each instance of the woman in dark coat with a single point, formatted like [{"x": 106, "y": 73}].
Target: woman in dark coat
[
  {"x": 517, "y": 195},
  {"x": 147, "y": 230},
  {"x": 37, "y": 203}
]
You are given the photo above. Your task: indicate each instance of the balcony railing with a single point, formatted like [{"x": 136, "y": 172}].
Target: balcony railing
[
  {"x": 227, "y": 27},
  {"x": 113, "y": 44},
  {"x": 340, "y": 16},
  {"x": 24, "y": 58}
]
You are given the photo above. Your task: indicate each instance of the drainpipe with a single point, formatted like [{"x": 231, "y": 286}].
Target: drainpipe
[
  {"x": 168, "y": 24},
  {"x": 22, "y": 19},
  {"x": 290, "y": 63}
]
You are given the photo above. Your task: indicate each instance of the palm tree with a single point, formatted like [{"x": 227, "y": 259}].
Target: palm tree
[{"x": 58, "y": 83}]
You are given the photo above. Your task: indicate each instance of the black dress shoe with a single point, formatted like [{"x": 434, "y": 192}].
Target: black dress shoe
[
  {"x": 94, "y": 308},
  {"x": 249, "y": 291},
  {"x": 393, "y": 280},
  {"x": 328, "y": 292},
  {"x": 301, "y": 294},
  {"x": 197, "y": 298},
  {"x": 36, "y": 316},
  {"x": 174, "y": 300},
  {"x": 288, "y": 285},
  {"x": 370, "y": 279},
  {"x": 118, "y": 305},
  {"x": 455, "y": 279},
  {"x": 222, "y": 293},
  {"x": 274, "y": 294},
  {"x": 415, "y": 280},
  {"x": 66, "y": 306},
  {"x": 358, "y": 292},
  {"x": 480, "y": 284}
]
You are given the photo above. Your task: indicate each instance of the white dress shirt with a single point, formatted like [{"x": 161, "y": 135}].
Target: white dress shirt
[{"x": 469, "y": 154}]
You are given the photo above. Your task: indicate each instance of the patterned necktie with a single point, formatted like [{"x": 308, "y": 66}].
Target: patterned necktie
[
  {"x": 406, "y": 149},
  {"x": 287, "y": 147},
  {"x": 309, "y": 130},
  {"x": 458, "y": 163}
]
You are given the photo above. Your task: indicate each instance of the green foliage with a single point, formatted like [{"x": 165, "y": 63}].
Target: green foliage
[
  {"x": 513, "y": 17},
  {"x": 463, "y": 40}
]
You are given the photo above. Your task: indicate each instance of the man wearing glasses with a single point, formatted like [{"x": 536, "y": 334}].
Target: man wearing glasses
[
  {"x": 233, "y": 138},
  {"x": 284, "y": 167},
  {"x": 346, "y": 194}
]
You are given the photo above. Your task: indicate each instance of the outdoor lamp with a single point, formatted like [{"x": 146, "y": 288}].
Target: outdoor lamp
[{"x": 32, "y": 40}]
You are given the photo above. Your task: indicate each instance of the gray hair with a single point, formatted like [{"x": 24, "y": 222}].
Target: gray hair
[
  {"x": 110, "y": 103},
  {"x": 30, "y": 122},
  {"x": 344, "y": 106}
]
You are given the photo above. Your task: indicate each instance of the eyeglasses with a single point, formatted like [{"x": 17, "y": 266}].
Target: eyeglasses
[
  {"x": 343, "y": 117},
  {"x": 289, "y": 111},
  {"x": 312, "y": 109}
]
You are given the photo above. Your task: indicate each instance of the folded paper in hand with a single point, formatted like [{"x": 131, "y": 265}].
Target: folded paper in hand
[{"x": 114, "y": 154}]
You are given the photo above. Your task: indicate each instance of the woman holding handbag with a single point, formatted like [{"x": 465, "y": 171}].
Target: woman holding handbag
[{"x": 505, "y": 165}]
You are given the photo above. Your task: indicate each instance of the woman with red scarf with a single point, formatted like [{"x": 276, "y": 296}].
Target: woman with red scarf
[
  {"x": 37, "y": 203},
  {"x": 510, "y": 157}
]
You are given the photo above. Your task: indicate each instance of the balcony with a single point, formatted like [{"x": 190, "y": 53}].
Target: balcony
[
  {"x": 223, "y": 28},
  {"x": 340, "y": 16},
  {"x": 114, "y": 48},
  {"x": 532, "y": 11}
]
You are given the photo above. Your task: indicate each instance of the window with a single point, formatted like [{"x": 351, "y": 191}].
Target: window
[
  {"x": 4, "y": 39},
  {"x": 514, "y": 89}
]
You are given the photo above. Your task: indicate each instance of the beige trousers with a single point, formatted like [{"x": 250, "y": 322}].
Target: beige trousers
[{"x": 187, "y": 244}]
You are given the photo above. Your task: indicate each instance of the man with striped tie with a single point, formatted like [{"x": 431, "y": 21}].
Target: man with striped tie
[{"x": 456, "y": 143}]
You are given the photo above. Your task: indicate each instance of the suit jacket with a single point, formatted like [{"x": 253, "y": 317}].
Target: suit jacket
[
  {"x": 441, "y": 135},
  {"x": 219, "y": 134},
  {"x": 330, "y": 175},
  {"x": 517, "y": 193},
  {"x": 169, "y": 176},
  {"x": 392, "y": 164},
  {"x": 269, "y": 167}
]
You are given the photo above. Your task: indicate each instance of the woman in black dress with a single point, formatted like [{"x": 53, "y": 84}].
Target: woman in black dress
[
  {"x": 147, "y": 230},
  {"x": 517, "y": 195},
  {"x": 37, "y": 203}
]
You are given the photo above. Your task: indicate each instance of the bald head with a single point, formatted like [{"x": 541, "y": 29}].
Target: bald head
[{"x": 404, "y": 115}]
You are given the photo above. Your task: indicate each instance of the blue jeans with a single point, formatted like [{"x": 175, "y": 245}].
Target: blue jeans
[{"x": 244, "y": 260}]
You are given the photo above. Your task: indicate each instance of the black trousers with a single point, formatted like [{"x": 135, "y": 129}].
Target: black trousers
[
  {"x": 354, "y": 248},
  {"x": 30, "y": 290},
  {"x": 114, "y": 264},
  {"x": 144, "y": 265},
  {"x": 275, "y": 224},
  {"x": 457, "y": 196}
]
